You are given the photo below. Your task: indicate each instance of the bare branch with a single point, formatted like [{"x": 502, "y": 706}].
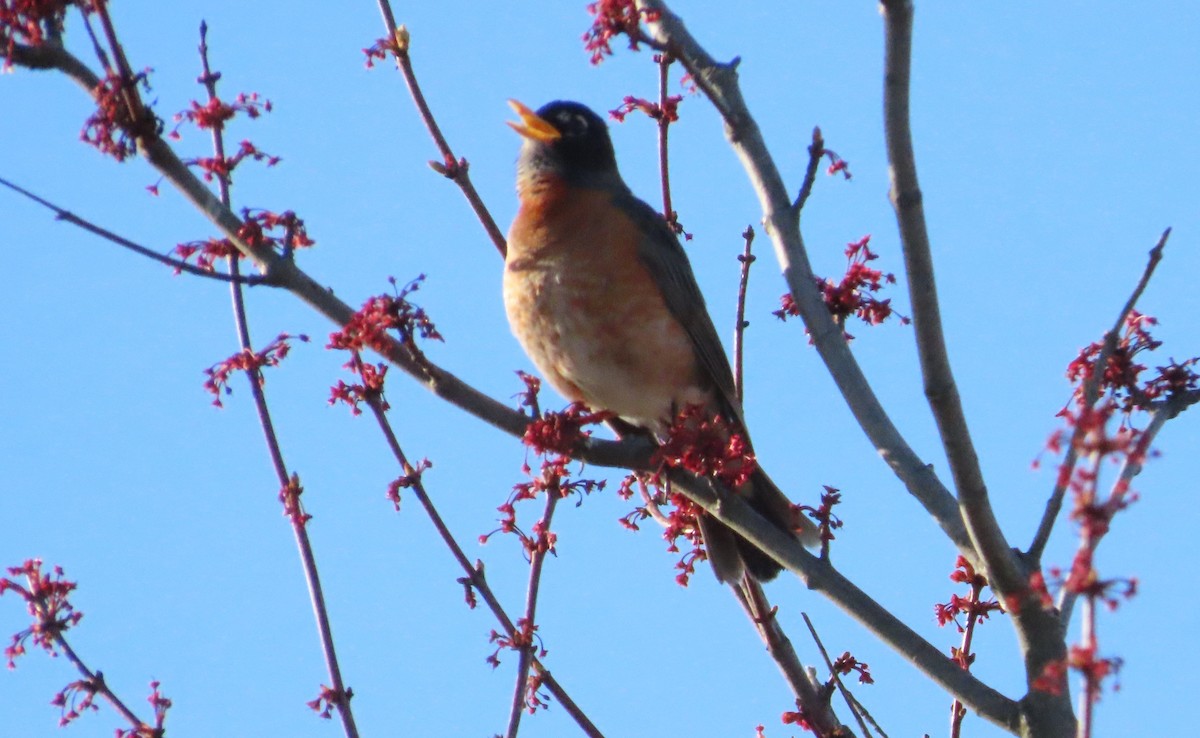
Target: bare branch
[
  {"x": 176, "y": 264},
  {"x": 746, "y": 258},
  {"x": 719, "y": 83},
  {"x": 811, "y": 698},
  {"x": 454, "y": 168},
  {"x": 816, "y": 150}
]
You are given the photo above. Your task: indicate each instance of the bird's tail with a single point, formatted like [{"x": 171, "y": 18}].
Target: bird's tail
[{"x": 731, "y": 555}]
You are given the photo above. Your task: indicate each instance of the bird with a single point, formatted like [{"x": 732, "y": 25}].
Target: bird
[{"x": 600, "y": 294}]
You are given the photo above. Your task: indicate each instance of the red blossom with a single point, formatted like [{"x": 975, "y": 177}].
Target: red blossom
[
  {"x": 823, "y": 513},
  {"x": 327, "y": 700},
  {"x": 289, "y": 495},
  {"x": 1121, "y": 378},
  {"x": 1093, "y": 668},
  {"x": 1053, "y": 679},
  {"x": 854, "y": 294},
  {"x": 561, "y": 432},
  {"x": 704, "y": 444},
  {"x": 799, "y": 719},
  {"x": 669, "y": 111},
  {"x": 368, "y": 328},
  {"x": 247, "y": 361},
  {"x": 524, "y": 638},
  {"x": 410, "y": 478},
  {"x": 256, "y": 230},
  {"x": 552, "y": 436},
  {"x": 845, "y": 664},
  {"x": 113, "y": 129},
  {"x": 975, "y": 609},
  {"x": 222, "y": 167},
  {"x": 612, "y": 18},
  {"x": 368, "y": 389},
  {"x": 75, "y": 699},
  {"x": 46, "y": 601},
  {"x": 215, "y": 113},
  {"x": 25, "y": 21}
]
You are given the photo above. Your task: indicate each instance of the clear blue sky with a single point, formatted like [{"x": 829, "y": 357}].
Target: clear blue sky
[{"x": 1055, "y": 142}]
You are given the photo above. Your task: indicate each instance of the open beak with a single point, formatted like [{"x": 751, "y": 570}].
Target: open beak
[{"x": 532, "y": 126}]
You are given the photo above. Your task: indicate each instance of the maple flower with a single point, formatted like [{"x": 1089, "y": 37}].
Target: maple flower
[
  {"x": 368, "y": 328},
  {"x": 703, "y": 443},
  {"x": 45, "y": 595},
  {"x": 854, "y": 294},
  {"x": 612, "y": 18},
  {"x": 24, "y": 21}
]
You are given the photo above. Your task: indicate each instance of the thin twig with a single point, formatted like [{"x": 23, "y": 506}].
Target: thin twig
[
  {"x": 90, "y": 227},
  {"x": 855, "y": 706},
  {"x": 816, "y": 150},
  {"x": 455, "y": 169},
  {"x": 746, "y": 258},
  {"x": 474, "y": 573},
  {"x": 957, "y": 711},
  {"x": 341, "y": 695},
  {"x": 811, "y": 698},
  {"x": 537, "y": 557},
  {"x": 664, "y": 125},
  {"x": 1091, "y": 394},
  {"x": 96, "y": 683}
]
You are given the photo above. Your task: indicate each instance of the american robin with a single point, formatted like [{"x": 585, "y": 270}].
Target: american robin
[{"x": 601, "y": 296}]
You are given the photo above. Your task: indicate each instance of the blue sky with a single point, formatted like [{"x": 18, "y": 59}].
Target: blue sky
[{"x": 1054, "y": 141}]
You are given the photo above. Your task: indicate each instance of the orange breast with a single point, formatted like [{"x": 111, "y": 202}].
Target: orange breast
[{"x": 589, "y": 315}]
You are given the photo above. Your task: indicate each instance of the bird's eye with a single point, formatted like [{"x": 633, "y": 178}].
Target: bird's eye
[{"x": 573, "y": 124}]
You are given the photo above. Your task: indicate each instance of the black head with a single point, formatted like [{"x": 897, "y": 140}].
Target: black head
[{"x": 567, "y": 139}]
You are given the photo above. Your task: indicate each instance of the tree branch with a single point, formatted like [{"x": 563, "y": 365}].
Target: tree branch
[
  {"x": 1091, "y": 393},
  {"x": 1039, "y": 630},
  {"x": 454, "y": 169},
  {"x": 177, "y": 264},
  {"x": 719, "y": 83}
]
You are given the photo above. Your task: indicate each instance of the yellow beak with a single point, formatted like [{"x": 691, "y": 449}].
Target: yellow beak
[{"x": 532, "y": 126}]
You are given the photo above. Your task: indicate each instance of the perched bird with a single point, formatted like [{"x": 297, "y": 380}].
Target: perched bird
[{"x": 601, "y": 296}]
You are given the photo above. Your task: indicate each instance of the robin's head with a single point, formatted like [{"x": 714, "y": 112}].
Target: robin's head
[{"x": 564, "y": 139}]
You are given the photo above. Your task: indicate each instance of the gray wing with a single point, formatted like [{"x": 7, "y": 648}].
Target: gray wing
[{"x": 663, "y": 256}]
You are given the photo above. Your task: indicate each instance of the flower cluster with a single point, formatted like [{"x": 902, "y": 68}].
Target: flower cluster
[
  {"x": 612, "y": 18},
  {"x": 847, "y": 664},
  {"x": 410, "y": 478},
  {"x": 669, "y": 111},
  {"x": 553, "y": 437},
  {"x": 368, "y": 328},
  {"x": 161, "y": 705},
  {"x": 247, "y": 361},
  {"x": 289, "y": 495},
  {"x": 524, "y": 638},
  {"x": 368, "y": 389},
  {"x": 855, "y": 294},
  {"x": 823, "y": 513},
  {"x": 1121, "y": 375},
  {"x": 214, "y": 114},
  {"x": 327, "y": 700},
  {"x": 971, "y": 606},
  {"x": 395, "y": 46},
  {"x": 24, "y": 21},
  {"x": 115, "y": 126},
  {"x": 222, "y": 166},
  {"x": 45, "y": 596},
  {"x": 260, "y": 229},
  {"x": 705, "y": 444}
]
